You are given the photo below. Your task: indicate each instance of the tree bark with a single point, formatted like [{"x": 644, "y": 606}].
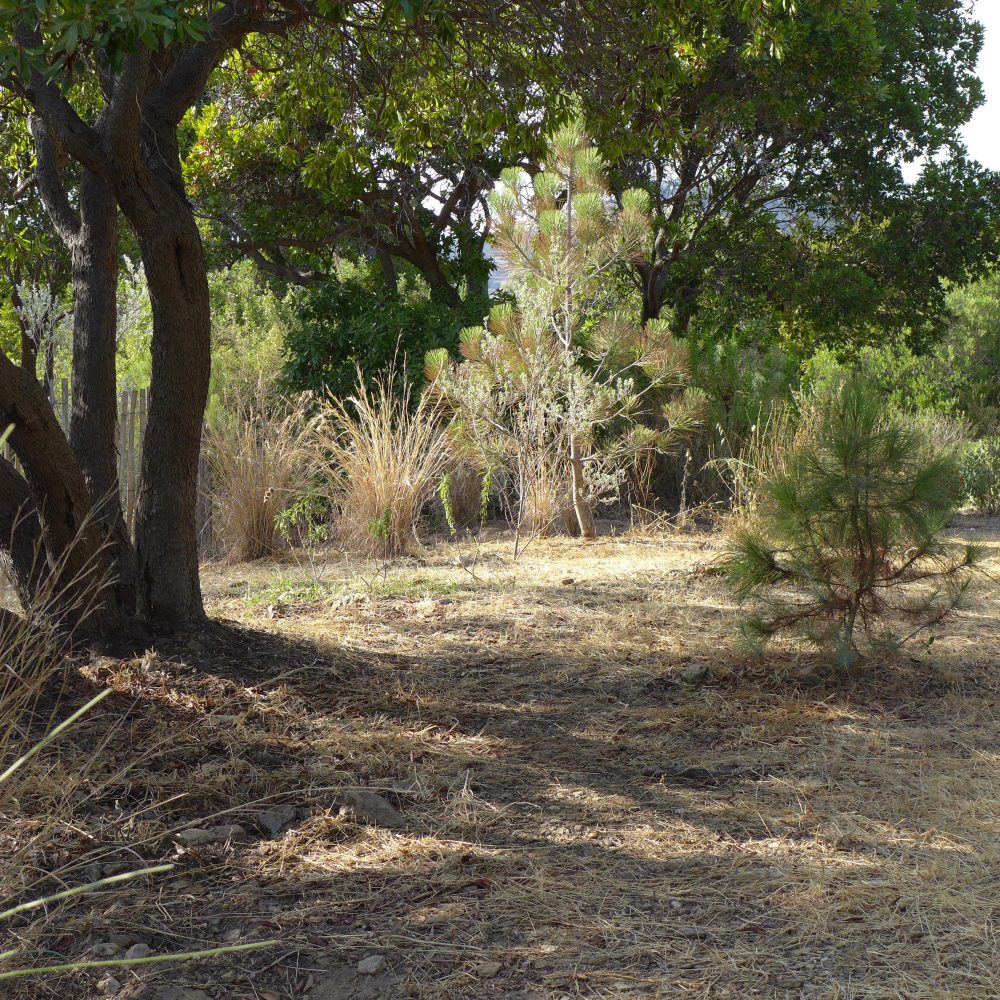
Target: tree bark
[
  {"x": 166, "y": 539},
  {"x": 389, "y": 272},
  {"x": 95, "y": 320},
  {"x": 22, "y": 554},
  {"x": 652, "y": 284},
  {"x": 93, "y": 420},
  {"x": 73, "y": 541}
]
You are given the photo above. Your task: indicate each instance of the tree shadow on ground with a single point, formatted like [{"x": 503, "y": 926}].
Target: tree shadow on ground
[{"x": 532, "y": 835}]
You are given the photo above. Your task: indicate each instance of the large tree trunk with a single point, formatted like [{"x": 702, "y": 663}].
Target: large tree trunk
[
  {"x": 166, "y": 537},
  {"x": 95, "y": 398},
  {"x": 95, "y": 321},
  {"x": 132, "y": 144}
]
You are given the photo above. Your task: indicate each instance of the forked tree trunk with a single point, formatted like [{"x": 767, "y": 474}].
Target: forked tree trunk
[
  {"x": 94, "y": 415},
  {"x": 132, "y": 145},
  {"x": 166, "y": 537}
]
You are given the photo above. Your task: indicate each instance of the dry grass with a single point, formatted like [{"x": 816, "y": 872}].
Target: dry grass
[
  {"x": 762, "y": 456},
  {"x": 262, "y": 455},
  {"x": 387, "y": 456},
  {"x": 525, "y": 719}
]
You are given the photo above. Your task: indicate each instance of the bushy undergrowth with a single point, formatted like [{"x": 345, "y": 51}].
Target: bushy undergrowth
[
  {"x": 355, "y": 322},
  {"x": 980, "y": 466},
  {"x": 263, "y": 456}
]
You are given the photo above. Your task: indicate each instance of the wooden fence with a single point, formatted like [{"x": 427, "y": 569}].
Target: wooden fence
[{"x": 130, "y": 433}]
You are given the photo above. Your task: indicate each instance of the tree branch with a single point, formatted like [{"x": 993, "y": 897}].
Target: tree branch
[
  {"x": 51, "y": 188},
  {"x": 185, "y": 81}
]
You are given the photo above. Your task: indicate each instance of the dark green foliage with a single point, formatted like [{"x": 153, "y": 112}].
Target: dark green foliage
[
  {"x": 848, "y": 539},
  {"x": 354, "y": 322},
  {"x": 741, "y": 381},
  {"x": 969, "y": 355},
  {"x": 981, "y": 475}
]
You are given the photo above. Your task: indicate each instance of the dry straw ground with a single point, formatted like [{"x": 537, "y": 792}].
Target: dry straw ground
[{"x": 529, "y": 721}]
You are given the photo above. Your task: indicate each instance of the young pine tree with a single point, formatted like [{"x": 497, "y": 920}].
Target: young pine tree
[
  {"x": 846, "y": 542},
  {"x": 550, "y": 389}
]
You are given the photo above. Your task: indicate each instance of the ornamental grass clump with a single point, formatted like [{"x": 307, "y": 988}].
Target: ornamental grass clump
[
  {"x": 846, "y": 545},
  {"x": 386, "y": 456},
  {"x": 262, "y": 453}
]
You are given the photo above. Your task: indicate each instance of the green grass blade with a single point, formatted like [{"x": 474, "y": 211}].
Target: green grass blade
[
  {"x": 81, "y": 889},
  {"x": 46, "y": 740},
  {"x": 112, "y": 963}
]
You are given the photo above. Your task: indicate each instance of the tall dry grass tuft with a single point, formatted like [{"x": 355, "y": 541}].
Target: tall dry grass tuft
[
  {"x": 763, "y": 455},
  {"x": 34, "y": 642},
  {"x": 387, "y": 455},
  {"x": 262, "y": 455}
]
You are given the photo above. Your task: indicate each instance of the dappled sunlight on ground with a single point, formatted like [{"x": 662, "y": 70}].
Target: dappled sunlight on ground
[{"x": 530, "y": 723}]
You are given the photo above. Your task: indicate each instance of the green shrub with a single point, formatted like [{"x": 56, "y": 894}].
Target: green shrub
[
  {"x": 846, "y": 540},
  {"x": 910, "y": 382},
  {"x": 981, "y": 475},
  {"x": 249, "y": 325},
  {"x": 353, "y": 322}
]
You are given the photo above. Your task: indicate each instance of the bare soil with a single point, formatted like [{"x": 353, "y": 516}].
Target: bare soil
[{"x": 577, "y": 819}]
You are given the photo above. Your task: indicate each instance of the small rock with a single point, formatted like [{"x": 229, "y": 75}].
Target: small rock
[
  {"x": 109, "y": 986},
  {"x": 213, "y": 835},
  {"x": 694, "y": 673},
  {"x": 367, "y": 807},
  {"x": 371, "y": 965},
  {"x": 139, "y": 950},
  {"x": 273, "y": 821},
  {"x": 105, "y": 949},
  {"x": 487, "y": 970},
  {"x": 692, "y": 932},
  {"x": 222, "y": 721},
  {"x": 813, "y": 783},
  {"x": 808, "y": 674}
]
